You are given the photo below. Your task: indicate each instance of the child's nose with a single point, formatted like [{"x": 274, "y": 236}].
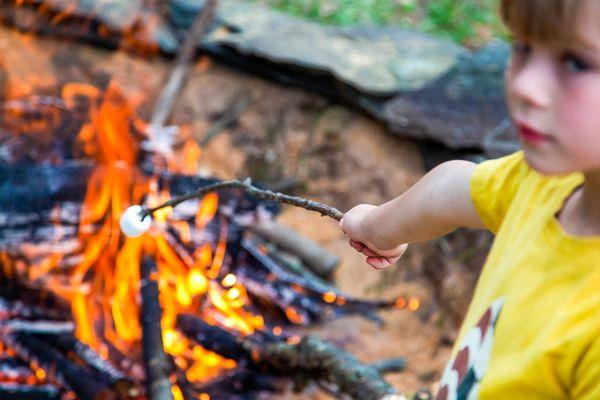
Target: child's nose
[{"x": 531, "y": 83}]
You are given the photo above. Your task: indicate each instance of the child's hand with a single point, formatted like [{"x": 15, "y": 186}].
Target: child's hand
[{"x": 353, "y": 224}]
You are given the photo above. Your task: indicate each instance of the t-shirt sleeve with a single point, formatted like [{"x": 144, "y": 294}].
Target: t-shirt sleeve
[{"x": 494, "y": 184}]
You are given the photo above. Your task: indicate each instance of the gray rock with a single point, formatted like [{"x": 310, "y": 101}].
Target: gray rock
[
  {"x": 420, "y": 86},
  {"x": 464, "y": 109},
  {"x": 375, "y": 61}
]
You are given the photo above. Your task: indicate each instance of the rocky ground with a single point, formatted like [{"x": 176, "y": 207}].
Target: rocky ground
[{"x": 329, "y": 153}]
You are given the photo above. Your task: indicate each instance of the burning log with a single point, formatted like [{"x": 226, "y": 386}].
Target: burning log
[
  {"x": 330, "y": 300},
  {"x": 311, "y": 358},
  {"x": 29, "y": 302},
  {"x": 20, "y": 392},
  {"x": 37, "y": 327},
  {"x": 86, "y": 384},
  {"x": 123, "y": 385},
  {"x": 242, "y": 384},
  {"x": 319, "y": 260},
  {"x": 156, "y": 362},
  {"x": 14, "y": 370}
]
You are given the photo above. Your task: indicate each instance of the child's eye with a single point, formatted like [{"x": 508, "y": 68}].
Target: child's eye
[
  {"x": 521, "y": 48},
  {"x": 574, "y": 63}
]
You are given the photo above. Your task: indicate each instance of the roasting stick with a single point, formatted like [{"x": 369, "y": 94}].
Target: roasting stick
[{"x": 137, "y": 219}]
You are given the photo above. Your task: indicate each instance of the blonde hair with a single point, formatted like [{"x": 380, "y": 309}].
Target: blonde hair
[{"x": 548, "y": 21}]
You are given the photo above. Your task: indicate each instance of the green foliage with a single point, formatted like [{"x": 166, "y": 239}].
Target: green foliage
[
  {"x": 462, "y": 21},
  {"x": 465, "y": 21}
]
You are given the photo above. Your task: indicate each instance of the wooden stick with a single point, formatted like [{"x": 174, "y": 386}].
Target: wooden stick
[
  {"x": 156, "y": 362},
  {"x": 164, "y": 104},
  {"x": 246, "y": 185}
]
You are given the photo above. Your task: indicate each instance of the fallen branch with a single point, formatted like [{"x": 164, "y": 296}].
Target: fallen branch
[
  {"x": 246, "y": 185},
  {"x": 164, "y": 104},
  {"x": 311, "y": 358}
]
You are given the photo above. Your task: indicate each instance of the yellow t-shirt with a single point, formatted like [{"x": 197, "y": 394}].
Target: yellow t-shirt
[{"x": 533, "y": 328}]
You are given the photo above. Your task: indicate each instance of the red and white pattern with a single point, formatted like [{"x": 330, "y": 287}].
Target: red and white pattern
[{"x": 465, "y": 371}]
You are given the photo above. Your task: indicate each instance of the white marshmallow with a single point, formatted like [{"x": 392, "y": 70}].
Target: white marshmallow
[{"x": 131, "y": 224}]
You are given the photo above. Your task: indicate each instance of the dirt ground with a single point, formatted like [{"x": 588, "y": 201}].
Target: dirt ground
[{"x": 329, "y": 152}]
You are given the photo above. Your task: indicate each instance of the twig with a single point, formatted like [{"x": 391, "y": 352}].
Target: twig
[
  {"x": 246, "y": 184},
  {"x": 164, "y": 104}
]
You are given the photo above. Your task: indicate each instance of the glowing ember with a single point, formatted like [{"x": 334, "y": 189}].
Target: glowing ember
[{"x": 103, "y": 287}]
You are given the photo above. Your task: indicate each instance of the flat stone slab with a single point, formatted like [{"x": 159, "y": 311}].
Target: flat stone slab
[
  {"x": 378, "y": 62},
  {"x": 464, "y": 109},
  {"x": 419, "y": 86}
]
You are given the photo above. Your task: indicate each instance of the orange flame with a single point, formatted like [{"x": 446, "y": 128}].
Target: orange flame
[{"x": 103, "y": 287}]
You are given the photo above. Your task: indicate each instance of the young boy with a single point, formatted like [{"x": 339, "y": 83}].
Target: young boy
[{"x": 533, "y": 328}]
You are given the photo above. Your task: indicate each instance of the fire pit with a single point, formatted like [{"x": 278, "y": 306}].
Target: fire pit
[{"x": 87, "y": 312}]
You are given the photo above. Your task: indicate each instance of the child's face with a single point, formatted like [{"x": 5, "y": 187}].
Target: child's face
[{"x": 553, "y": 95}]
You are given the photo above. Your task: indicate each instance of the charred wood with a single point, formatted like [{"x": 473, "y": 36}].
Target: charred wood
[
  {"x": 14, "y": 370},
  {"x": 29, "y": 193},
  {"x": 341, "y": 304},
  {"x": 81, "y": 380},
  {"x": 241, "y": 384},
  {"x": 32, "y": 302},
  {"x": 37, "y": 327},
  {"x": 157, "y": 364},
  {"x": 26, "y": 392},
  {"x": 320, "y": 261},
  {"x": 69, "y": 344},
  {"x": 311, "y": 358}
]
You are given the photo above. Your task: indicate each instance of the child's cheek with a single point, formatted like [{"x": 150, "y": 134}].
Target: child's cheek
[
  {"x": 579, "y": 111},
  {"x": 580, "y": 126}
]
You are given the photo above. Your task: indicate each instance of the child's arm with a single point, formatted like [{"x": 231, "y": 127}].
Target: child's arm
[{"x": 437, "y": 204}]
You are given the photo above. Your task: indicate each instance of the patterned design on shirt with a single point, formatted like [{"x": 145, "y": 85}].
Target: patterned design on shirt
[{"x": 463, "y": 374}]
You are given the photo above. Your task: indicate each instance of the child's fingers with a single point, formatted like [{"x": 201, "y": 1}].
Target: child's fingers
[
  {"x": 381, "y": 262},
  {"x": 369, "y": 253},
  {"x": 358, "y": 246},
  {"x": 378, "y": 262}
]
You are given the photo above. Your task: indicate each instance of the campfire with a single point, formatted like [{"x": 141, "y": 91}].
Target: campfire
[
  {"x": 207, "y": 304},
  {"x": 198, "y": 307}
]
